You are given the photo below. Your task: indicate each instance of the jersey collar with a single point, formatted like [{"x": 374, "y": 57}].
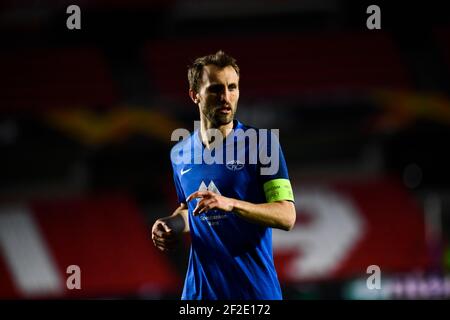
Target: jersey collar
[{"x": 236, "y": 125}]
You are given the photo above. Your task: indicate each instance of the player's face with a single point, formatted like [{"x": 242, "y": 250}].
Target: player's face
[{"x": 218, "y": 94}]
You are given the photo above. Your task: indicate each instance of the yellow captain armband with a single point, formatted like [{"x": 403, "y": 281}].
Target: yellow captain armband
[{"x": 278, "y": 190}]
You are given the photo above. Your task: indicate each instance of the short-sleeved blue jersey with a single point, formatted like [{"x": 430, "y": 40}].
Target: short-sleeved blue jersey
[{"x": 230, "y": 258}]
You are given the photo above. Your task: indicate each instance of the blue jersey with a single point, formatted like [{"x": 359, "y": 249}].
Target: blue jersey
[{"x": 230, "y": 258}]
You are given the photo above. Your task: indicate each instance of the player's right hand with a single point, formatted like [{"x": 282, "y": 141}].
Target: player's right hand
[{"x": 163, "y": 236}]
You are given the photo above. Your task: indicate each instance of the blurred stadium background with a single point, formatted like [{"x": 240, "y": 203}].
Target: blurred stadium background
[{"x": 86, "y": 117}]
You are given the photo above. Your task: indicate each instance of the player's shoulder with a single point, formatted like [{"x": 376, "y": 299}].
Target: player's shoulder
[
  {"x": 185, "y": 144},
  {"x": 247, "y": 129},
  {"x": 182, "y": 143},
  {"x": 264, "y": 134},
  {"x": 243, "y": 126}
]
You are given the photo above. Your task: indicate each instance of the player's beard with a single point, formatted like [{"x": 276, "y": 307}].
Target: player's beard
[{"x": 217, "y": 118}]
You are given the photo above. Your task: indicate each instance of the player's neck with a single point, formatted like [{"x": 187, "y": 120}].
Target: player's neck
[{"x": 207, "y": 136}]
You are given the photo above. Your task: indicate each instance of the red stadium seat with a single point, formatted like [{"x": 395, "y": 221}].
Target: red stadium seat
[
  {"x": 288, "y": 65},
  {"x": 48, "y": 78},
  {"x": 442, "y": 36}
]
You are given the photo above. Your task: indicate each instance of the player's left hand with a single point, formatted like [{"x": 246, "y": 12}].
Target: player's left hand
[{"x": 209, "y": 201}]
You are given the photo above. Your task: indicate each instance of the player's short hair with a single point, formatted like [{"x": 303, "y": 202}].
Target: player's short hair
[{"x": 219, "y": 59}]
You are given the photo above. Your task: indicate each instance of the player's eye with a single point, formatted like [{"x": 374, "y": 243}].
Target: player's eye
[{"x": 215, "y": 88}]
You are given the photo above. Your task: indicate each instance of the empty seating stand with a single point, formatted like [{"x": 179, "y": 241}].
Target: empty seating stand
[
  {"x": 288, "y": 65},
  {"x": 442, "y": 36},
  {"x": 54, "y": 78}
]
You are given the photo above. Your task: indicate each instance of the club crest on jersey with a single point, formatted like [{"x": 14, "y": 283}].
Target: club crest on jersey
[
  {"x": 211, "y": 217},
  {"x": 235, "y": 165},
  {"x": 211, "y": 187}
]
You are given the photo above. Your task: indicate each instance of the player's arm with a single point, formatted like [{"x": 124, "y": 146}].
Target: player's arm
[
  {"x": 167, "y": 231},
  {"x": 277, "y": 214}
]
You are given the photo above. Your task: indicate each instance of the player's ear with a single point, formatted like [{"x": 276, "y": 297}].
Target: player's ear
[{"x": 193, "y": 96}]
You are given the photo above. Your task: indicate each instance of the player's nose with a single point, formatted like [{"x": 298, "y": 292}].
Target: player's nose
[{"x": 225, "y": 96}]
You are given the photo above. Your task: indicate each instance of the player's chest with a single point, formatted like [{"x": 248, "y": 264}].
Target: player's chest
[{"x": 216, "y": 177}]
